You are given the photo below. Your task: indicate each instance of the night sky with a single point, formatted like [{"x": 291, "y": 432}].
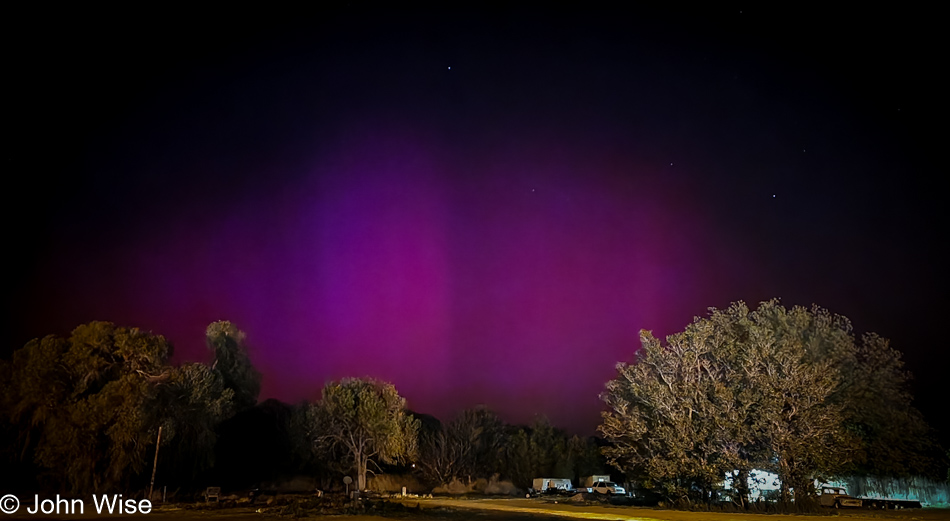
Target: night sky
[{"x": 481, "y": 206}]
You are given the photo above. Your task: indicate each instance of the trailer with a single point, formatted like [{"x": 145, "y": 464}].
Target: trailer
[
  {"x": 551, "y": 485},
  {"x": 889, "y": 503}
]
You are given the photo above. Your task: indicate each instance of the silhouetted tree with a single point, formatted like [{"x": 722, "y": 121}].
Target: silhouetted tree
[
  {"x": 469, "y": 447},
  {"x": 256, "y": 445},
  {"x": 478, "y": 435},
  {"x": 438, "y": 458},
  {"x": 587, "y": 457},
  {"x": 895, "y": 439},
  {"x": 540, "y": 450},
  {"x": 190, "y": 404}
]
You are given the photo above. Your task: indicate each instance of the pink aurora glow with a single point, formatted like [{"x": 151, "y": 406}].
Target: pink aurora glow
[{"x": 515, "y": 279}]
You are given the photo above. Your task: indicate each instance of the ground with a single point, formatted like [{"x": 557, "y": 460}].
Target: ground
[
  {"x": 448, "y": 509},
  {"x": 565, "y": 510}
]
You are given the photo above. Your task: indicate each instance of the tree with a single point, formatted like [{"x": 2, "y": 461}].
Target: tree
[
  {"x": 540, "y": 450},
  {"x": 438, "y": 453},
  {"x": 587, "y": 457},
  {"x": 735, "y": 391},
  {"x": 229, "y": 346},
  {"x": 798, "y": 372},
  {"x": 267, "y": 428},
  {"x": 88, "y": 408},
  {"x": 82, "y": 404},
  {"x": 468, "y": 447},
  {"x": 190, "y": 405},
  {"x": 895, "y": 440},
  {"x": 366, "y": 422},
  {"x": 662, "y": 417},
  {"x": 477, "y": 437}
]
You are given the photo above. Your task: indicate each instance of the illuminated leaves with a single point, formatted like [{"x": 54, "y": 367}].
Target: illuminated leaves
[
  {"x": 737, "y": 390},
  {"x": 231, "y": 360},
  {"x": 367, "y": 421},
  {"x": 88, "y": 408}
]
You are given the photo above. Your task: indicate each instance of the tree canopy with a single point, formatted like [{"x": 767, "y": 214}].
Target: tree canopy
[
  {"x": 778, "y": 389},
  {"x": 365, "y": 422},
  {"x": 88, "y": 408},
  {"x": 231, "y": 360}
]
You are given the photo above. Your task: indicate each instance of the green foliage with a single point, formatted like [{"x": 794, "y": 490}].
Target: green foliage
[
  {"x": 229, "y": 346},
  {"x": 587, "y": 457},
  {"x": 540, "y": 450},
  {"x": 82, "y": 404},
  {"x": 663, "y": 418},
  {"x": 365, "y": 422},
  {"x": 799, "y": 361},
  {"x": 786, "y": 390},
  {"x": 477, "y": 444},
  {"x": 190, "y": 404},
  {"x": 88, "y": 408}
]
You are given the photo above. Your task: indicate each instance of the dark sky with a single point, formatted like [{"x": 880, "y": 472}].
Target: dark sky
[{"x": 482, "y": 206}]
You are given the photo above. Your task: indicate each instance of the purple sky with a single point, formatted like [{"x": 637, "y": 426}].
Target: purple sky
[
  {"x": 480, "y": 209},
  {"x": 519, "y": 277}
]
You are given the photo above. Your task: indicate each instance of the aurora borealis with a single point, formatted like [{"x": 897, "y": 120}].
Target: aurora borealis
[{"x": 479, "y": 208}]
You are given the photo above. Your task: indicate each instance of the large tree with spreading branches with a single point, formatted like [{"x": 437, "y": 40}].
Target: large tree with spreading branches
[
  {"x": 364, "y": 422},
  {"x": 784, "y": 390}
]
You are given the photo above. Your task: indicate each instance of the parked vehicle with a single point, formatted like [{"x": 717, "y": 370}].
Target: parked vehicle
[
  {"x": 588, "y": 481},
  {"x": 837, "y": 497},
  {"x": 607, "y": 487}
]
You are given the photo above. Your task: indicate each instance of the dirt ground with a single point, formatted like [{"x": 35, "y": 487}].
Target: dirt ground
[
  {"x": 446, "y": 509},
  {"x": 563, "y": 510}
]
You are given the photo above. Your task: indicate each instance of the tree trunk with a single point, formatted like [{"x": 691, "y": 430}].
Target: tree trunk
[
  {"x": 361, "y": 475},
  {"x": 360, "y": 470},
  {"x": 741, "y": 483},
  {"x": 784, "y": 476}
]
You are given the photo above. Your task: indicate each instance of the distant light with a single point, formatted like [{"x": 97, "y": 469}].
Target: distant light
[
  {"x": 773, "y": 196},
  {"x": 450, "y": 68}
]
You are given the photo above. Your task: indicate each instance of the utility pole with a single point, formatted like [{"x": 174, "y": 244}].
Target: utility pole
[{"x": 155, "y": 465}]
